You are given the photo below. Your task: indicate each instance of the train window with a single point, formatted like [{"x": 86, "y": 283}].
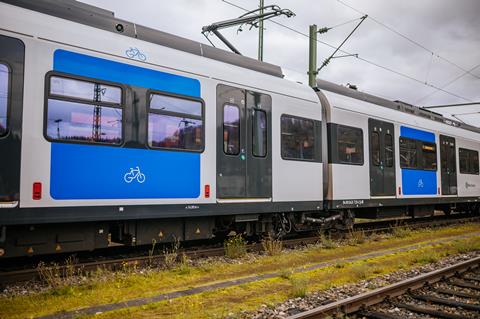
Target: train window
[
  {"x": 429, "y": 156},
  {"x": 84, "y": 111},
  {"x": 4, "y": 80},
  {"x": 297, "y": 138},
  {"x": 176, "y": 105},
  {"x": 350, "y": 145},
  {"x": 375, "y": 148},
  {"x": 259, "y": 133},
  {"x": 388, "y": 150},
  {"x": 88, "y": 91},
  {"x": 175, "y": 123},
  {"x": 231, "y": 129},
  {"x": 408, "y": 153},
  {"x": 468, "y": 161}
]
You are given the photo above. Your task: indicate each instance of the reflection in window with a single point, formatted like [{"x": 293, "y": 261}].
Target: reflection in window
[
  {"x": 174, "y": 132},
  {"x": 408, "y": 153},
  {"x": 388, "y": 150},
  {"x": 350, "y": 145},
  {"x": 73, "y": 121},
  {"x": 298, "y": 138},
  {"x": 175, "y": 105},
  {"x": 175, "y": 123},
  {"x": 89, "y": 91},
  {"x": 84, "y": 111},
  {"x": 468, "y": 161},
  {"x": 375, "y": 148},
  {"x": 429, "y": 156},
  {"x": 4, "y": 79},
  {"x": 231, "y": 129},
  {"x": 259, "y": 133}
]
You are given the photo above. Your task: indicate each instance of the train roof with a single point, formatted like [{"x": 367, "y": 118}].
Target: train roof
[
  {"x": 103, "y": 19},
  {"x": 394, "y": 105}
]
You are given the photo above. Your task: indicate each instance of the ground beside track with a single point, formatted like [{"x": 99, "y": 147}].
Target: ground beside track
[{"x": 129, "y": 284}]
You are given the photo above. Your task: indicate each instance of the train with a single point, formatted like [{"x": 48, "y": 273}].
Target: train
[{"x": 115, "y": 133}]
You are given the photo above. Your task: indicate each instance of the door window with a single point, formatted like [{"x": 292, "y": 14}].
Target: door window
[
  {"x": 231, "y": 129},
  {"x": 259, "y": 133},
  {"x": 388, "y": 150},
  {"x": 375, "y": 148},
  {"x": 4, "y": 97}
]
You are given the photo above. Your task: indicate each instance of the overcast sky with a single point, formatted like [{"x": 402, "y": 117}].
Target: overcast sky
[{"x": 448, "y": 28}]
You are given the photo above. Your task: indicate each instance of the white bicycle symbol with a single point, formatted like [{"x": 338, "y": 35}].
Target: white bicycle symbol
[
  {"x": 134, "y": 173},
  {"x": 133, "y": 53}
]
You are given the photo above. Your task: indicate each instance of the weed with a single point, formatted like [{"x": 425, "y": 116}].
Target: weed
[
  {"x": 235, "y": 247},
  {"x": 464, "y": 247},
  {"x": 272, "y": 247},
  {"x": 151, "y": 252},
  {"x": 184, "y": 266},
  {"x": 326, "y": 241},
  {"x": 299, "y": 287},
  {"x": 170, "y": 254},
  {"x": 50, "y": 274},
  {"x": 401, "y": 231},
  {"x": 356, "y": 237},
  {"x": 339, "y": 265}
]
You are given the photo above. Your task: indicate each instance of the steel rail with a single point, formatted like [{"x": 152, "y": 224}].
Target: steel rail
[{"x": 361, "y": 301}]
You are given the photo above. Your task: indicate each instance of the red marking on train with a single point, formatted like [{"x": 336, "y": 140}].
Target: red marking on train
[
  {"x": 207, "y": 191},
  {"x": 37, "y": 191},
  {"x": 399, "y": 190}
]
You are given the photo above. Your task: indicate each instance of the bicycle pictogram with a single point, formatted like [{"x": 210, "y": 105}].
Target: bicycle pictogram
[
  {"x": 134, "y": 53},
  {"x": 134, "y": 173}
]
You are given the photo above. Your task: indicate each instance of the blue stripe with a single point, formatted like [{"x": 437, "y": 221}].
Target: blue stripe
[
  {"x": 419, "y": 182},
  {"x": 99, "y": 172},
  {"x": 417, "y": 134},
  {"x": 102, "y": 69}
]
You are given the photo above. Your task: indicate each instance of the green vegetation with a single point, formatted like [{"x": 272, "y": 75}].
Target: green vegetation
[
  {"x": 103, "y": 287},
  {"x": 235, "y": 247}
]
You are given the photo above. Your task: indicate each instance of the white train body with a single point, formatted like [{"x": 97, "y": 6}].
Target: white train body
[{"x": 114, "y": 131}]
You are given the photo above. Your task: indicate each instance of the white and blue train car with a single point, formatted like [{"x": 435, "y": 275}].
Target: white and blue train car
[
  {"x": 115, "y": 132},
  {"x": 389, "y": 158}
]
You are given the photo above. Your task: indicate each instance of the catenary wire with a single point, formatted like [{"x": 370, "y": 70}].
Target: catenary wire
[{"x": 360, "y": 58}]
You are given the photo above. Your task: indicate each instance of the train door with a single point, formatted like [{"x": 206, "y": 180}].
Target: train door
[
  {"x": 382, "y": 158},
  {"x": 448, "y": 165},
  {"x": 12, "y": 60},
  {"x": 244, "y": 159}
]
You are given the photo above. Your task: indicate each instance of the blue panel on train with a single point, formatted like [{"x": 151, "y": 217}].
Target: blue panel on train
[
  {"x": 102, "y": 69},
  {"x": 103, "y": 172},
  {"x": 417, "y": 134},
  {"x": 419, "y": 182}
]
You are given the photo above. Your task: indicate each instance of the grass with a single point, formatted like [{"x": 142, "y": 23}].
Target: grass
[
  {"x": 102, "y": 287},
  {"x": 299, "y": 287},
  {"x": 235, "y": 300}
]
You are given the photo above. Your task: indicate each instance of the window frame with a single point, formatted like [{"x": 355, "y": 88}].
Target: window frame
[
  {"x": 392, "y": 151},
  {"x": 9, "y": 98},
  {"x": 470, "y": 170},
  {"x": 47, "y": 96},
  {"x": 255, "y": 110},
  {"x": 174, "y": 114},
  {"x": 315, "y": 143}
]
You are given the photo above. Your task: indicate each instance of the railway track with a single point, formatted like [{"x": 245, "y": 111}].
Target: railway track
[
  {"x": 8, "y": 276},
  {"x": 452, "y": 292}
]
